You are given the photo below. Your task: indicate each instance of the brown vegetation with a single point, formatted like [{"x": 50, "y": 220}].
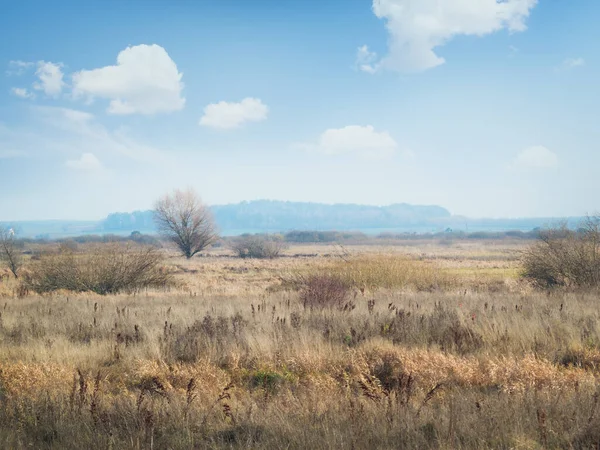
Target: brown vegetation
[
  {"x": 258, "y": 246},
  {"x": 565, "y": 257},
  {"x": 104, "y": 269},
  {"x": 395, "y": 351}
]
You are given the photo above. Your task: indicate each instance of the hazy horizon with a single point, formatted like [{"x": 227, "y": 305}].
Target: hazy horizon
[
  {"x": 484, "y": 107},
  {"x": 100, "y": 218}
]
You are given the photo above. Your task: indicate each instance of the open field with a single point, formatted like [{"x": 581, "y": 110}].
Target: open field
[{"x": 437, "y": 345}]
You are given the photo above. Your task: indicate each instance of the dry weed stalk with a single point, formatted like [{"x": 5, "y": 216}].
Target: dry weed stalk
[
  {"x": 221, "y": 400},
  {"x": 541, "y": 419},
  {"x": 190, "y": 395},
  {"x": 429, "y": 396}
]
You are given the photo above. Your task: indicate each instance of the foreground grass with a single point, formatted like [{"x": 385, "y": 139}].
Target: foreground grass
[{"x": 420, "y": 370}]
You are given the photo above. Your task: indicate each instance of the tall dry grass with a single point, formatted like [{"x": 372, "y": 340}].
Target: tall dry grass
[
  {"x": 372, "y": 272},
  {"x": 220, "y": 362},
  {"x": 420, "y": 370}
]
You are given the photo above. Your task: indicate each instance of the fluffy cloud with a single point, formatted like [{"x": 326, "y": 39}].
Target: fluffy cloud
[
  {"x": 417, "y": 28},
  {"x": 537, "y": 157},
  {"x": 145, "y": 80},
  {"x": 354, "y": 139},
  {"x": 51, "y": 78},
  {"x": 232, "y": 115},
  {"x": 22, "y": 92},
  {"x": 87, "y": 162}
]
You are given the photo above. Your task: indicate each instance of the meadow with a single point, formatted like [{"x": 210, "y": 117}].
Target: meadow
[{"x": 426, "y": 344}]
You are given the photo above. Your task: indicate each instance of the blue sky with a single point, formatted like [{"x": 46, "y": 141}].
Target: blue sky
[{"x": 487, "y": 108}]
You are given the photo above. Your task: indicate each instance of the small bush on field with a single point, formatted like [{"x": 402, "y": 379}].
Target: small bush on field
[
  {"x": 260, "y": 247},
  {"x": 565, "y": 257},
  {"x": 105, "y": 269},
  {"x": 323, "y": 291},
  {"x": 446, "y": 330},
  {"x": 218, "y": 336}
]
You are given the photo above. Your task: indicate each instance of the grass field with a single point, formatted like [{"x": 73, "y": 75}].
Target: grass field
[{"x": 437, "y": 345}]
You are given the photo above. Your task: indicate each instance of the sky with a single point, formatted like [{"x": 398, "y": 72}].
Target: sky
[{"x": 489, "y": 108}]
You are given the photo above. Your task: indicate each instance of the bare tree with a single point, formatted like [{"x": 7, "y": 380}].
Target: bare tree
[
  {"x": 182, "y": 218},
  {"x": 9, "y": 250}
]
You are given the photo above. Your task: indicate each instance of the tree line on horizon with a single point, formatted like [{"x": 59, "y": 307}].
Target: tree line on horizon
[{"x": 280, "y": 215}]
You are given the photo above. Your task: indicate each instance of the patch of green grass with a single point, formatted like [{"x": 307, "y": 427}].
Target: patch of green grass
[{"x": 270, "y": 380}]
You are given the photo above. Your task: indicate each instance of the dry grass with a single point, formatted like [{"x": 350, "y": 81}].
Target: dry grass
[
  {"x": 383, "y": 271},
  {"x": 440, "y": 351}
]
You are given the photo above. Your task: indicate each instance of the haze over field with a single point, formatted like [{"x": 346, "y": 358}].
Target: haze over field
[{"x": 485, "y": 107}]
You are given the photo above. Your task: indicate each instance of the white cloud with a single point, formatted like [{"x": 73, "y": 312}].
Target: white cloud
[
  {"x": 51, "y": 78},
  {"x": 87, "y": 162},
  {"x": 232, "y": 115},
  {"x": 365, "y": 59},
  {"x": 76, "y": 116},
  {"x": 354, "y": 139},
  {"x": 571, "y": 63},
  {"x": 145, "y": 80},
  {"x": 537, "y": 157},
  {"x": 417, "y": 28},
  {"x": 18, "y": 67},
  {"x": 22, "y": 93}
]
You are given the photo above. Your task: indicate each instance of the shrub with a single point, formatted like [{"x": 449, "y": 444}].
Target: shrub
[
  {"x": 105, "y": 269},
  {"x": 323, "y": 291},
  {"x": 215, "y": 336},
  {"x": 565, "y": 257},
  {"x": 258, "y": 246}
]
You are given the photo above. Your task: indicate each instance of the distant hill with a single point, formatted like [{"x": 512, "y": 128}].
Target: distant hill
[
  {"x": 267, "y": 215},
  {"x": 262, "y": 216},
  {"x": 276, "y": 215}
]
